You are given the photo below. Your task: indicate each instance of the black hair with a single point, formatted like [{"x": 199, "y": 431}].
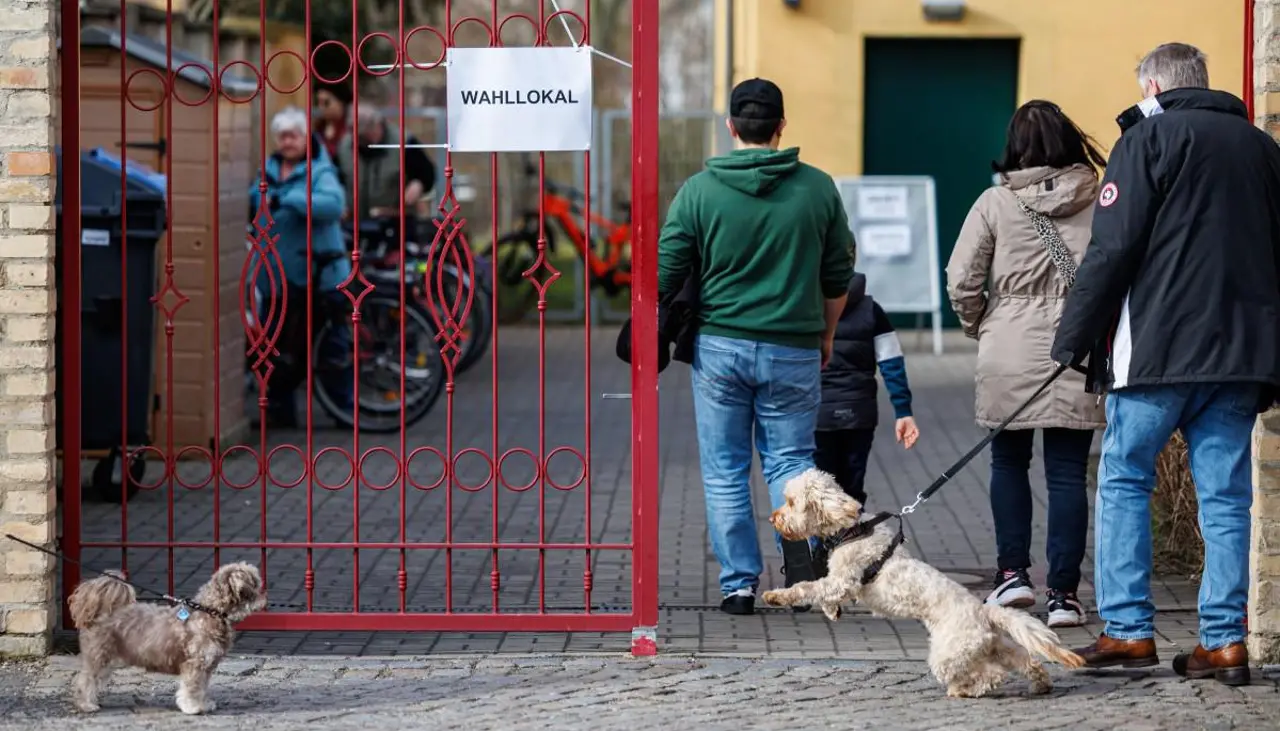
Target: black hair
[
  {"x": 1040, "y": 135},
  {"x": 341, "y": 92},
  {"x": 751, "y": 128}
]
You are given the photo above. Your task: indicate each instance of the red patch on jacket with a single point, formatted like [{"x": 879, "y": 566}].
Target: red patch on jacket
[{"x": 1110, "y": 193}]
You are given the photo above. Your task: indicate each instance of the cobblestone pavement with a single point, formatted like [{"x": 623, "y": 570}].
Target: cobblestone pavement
[
  {"x": 953, "y": 532},
  {"x": 601, "y": 693}
]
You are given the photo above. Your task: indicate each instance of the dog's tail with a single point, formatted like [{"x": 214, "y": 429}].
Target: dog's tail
[
  {"x": 96, "y": 599},
  {"x": 1032, "y": 634}
]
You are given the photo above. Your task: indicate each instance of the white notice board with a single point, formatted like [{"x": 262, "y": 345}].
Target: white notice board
[
  {"x": 520, "y": 99},
  {"x": 894, "y": 221}
]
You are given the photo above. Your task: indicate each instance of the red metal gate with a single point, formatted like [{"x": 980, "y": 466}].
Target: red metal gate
[{"x": 426, "y": 528}]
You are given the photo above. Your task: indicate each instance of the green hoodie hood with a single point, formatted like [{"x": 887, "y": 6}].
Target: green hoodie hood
[{"x": 754, "y": 171}]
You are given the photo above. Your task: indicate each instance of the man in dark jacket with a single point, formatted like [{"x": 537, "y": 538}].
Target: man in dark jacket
[
  {"x": 377, "y": 161},
  {"x": 772, "y": 248},
  {"x": 865, "y": 342},
  {"x": 1180, "y": 282}
]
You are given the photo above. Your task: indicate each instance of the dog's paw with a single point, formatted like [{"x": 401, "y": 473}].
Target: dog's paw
[
  {"x": 832, "y": 611},
  {"x": 83, "y": 707},
  {"x": 189, "y": 706},
  {"x": 1041, "y": 688},
  {"x": 773, "y": 598}
]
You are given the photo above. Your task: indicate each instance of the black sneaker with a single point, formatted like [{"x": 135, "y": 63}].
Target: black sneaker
[
  {"x": 740, "y": 602},
  {"x": 1012, "y": 588},
  {"x": 820, "y": 561},
  {"x": 798, "y": 566},
  {"x": 1065, "y": 609}
]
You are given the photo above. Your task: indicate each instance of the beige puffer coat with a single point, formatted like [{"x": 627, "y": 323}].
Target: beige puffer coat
[{"x": 1008, "y": 294}]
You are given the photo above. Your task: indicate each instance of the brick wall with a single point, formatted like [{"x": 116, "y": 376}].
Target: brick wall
[
  {"x": 1264, "y": 590},
  {"x": 27, "y": 302}
]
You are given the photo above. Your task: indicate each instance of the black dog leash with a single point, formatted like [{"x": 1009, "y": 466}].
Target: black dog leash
[
  {"x": 866, "y": 528},
  {"x": 182, "y": 604},
  {"x": 951, "y": 472}
]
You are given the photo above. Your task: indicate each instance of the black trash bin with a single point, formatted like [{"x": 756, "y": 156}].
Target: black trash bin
[{"x": 104, "y": 235}]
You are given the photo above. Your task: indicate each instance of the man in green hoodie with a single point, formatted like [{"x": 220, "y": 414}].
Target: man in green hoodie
[{"x": 768, "y": 240}]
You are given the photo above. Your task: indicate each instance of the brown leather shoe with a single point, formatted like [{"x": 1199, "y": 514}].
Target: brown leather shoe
[
  {"x": 1110, "y": 653},
  {"x": 1228, "y": 665}
]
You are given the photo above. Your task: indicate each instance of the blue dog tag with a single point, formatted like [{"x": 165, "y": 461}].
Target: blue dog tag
[{"x": 183, "y": 614}]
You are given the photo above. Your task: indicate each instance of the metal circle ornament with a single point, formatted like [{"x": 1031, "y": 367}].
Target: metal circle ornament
[{"x": 1109, "y": 195}]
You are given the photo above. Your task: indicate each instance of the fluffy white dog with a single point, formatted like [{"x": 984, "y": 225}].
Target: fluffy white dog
[
  {"x": 973, "y": 646},
  {"x": 116, "y": 630}
]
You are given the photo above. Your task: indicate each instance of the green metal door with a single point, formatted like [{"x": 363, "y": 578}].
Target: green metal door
[{"x": 939, "y": 107}]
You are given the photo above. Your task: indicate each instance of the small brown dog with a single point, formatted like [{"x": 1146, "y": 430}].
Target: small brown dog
[
  {"x": 116, "y": 630},
  {"x": 972, "y": 646}
]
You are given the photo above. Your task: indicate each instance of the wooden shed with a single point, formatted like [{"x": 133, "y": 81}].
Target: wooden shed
[{"x": 141, "y": 127}]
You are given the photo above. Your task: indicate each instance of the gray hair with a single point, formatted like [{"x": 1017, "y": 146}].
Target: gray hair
[
  {"x": 289, "y": 119},
  {"x": 368, "y": 112},
  {"x": 1175, "y": 66}
]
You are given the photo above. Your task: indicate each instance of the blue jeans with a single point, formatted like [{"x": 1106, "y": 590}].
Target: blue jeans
[
  {"x": 738, "y": 386},
  {"x": 1217, "y": 421}
]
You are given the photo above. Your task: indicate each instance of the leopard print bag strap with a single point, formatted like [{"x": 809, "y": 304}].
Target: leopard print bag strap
[{"x": 1053, "y": 243}]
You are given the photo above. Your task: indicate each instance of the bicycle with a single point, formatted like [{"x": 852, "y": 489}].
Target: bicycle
[
  {"x": 607, "y": 254},
  {"x": 380, "y": 258},
  {"x": 375, "y": 379}
]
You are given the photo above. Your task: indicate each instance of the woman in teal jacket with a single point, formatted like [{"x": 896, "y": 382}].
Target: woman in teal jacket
[{"x": 284, "y": 219}]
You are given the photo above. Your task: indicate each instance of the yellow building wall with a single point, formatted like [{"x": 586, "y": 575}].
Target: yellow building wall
[{"x": 1080, "y": 54}]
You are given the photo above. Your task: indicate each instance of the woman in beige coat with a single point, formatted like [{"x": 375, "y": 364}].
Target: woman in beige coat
[{"x": 1007, "y": 279}]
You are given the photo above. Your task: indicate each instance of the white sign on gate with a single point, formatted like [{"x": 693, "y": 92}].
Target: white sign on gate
[{"x": 519, "y": 99}]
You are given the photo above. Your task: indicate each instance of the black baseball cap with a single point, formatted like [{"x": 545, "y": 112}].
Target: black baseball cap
[{"x": 756, "y": 99}]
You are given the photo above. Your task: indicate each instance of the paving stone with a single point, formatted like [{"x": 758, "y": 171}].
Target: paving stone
[{"x": 622, "y": 693}]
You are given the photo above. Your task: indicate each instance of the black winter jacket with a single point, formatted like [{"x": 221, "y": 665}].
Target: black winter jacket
[
  {"x": 865, "y": 340},
  {"x": 1181, "y": 281}
]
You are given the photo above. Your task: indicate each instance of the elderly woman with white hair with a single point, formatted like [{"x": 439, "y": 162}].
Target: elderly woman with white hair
[{"x": 298, "y": 189}]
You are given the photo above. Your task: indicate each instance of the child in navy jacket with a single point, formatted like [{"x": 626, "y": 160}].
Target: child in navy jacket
[{"x": 864, "y": 341}]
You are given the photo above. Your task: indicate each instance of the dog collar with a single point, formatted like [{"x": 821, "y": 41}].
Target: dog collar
[
  {"x": 186, "y": 606},
  {"x": 862, "y": 530}
]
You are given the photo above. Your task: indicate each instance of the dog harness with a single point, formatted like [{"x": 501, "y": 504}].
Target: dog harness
[{"x": 862, "y": 530}]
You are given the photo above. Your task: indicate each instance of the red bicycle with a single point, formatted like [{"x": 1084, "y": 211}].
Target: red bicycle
[{"x": 605, "y": 250}]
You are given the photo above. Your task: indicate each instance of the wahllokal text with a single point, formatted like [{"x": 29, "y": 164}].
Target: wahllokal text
[{"x": 529, "y": 96}]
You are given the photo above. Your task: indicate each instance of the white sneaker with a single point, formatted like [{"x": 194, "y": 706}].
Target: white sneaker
[
  {"x": 1065, "y": 609},
  {"x": 1013, "y": 588}
]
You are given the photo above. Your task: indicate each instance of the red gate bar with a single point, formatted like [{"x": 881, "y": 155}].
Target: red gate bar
[
  {"x": 644, "y": 313},
  {"x": 69, "y": 366}
]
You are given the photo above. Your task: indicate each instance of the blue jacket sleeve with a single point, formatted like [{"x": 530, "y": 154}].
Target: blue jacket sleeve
[
  {"x": 327, "y": 196},
  {"x": 892, "y": 364}
]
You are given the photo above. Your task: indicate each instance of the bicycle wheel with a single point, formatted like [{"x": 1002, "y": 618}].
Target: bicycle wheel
[
  {"x": 479, "y": 324},
  {"x": 511, "y": 256},
  {"x": 378, "y": 400}
]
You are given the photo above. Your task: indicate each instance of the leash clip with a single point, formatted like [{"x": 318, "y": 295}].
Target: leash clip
[{"x": 909, "y": 509}]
